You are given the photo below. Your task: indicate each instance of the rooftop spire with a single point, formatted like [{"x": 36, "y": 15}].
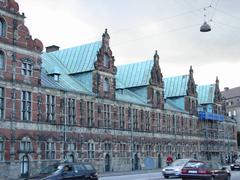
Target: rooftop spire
[
  {"x": 156, "y": 57},
  {"x": 105, "y": 39},
  {"x": 191, "y": 70}
]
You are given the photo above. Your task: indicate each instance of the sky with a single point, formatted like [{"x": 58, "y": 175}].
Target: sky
[{"x": 139, "y": 27}]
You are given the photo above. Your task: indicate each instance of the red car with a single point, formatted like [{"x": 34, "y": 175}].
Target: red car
[{"x": 205, "y": 171}]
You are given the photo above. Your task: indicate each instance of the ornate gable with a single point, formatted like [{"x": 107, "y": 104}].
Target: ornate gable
[
  {"x": 105, "y": 59},
  {"x": 104, "y": 81},
  {"x": 217, "y": 93},
  {"x": 156, "y": 75},
  {"x": 191, "y": 86}
]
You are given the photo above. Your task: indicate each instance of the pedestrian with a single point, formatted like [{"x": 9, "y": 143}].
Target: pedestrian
[{"x": 169, "y": 160}]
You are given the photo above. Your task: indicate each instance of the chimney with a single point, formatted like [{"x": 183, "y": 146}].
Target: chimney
[
  {"x": 226, "y": 88},
  {"x": 52, "y": 48}
]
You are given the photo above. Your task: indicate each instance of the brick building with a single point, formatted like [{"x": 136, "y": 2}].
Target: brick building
[
  {"x": 231, "y": 99},
  {"x": 75, "y": 104}
]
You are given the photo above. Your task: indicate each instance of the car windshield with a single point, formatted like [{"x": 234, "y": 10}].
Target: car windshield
[
  {"x": 49, "y": 169},
  {"x": 194, "y": 164},
  {"x": 179, "y": 162},
  {"x": 89, "y": 167}
]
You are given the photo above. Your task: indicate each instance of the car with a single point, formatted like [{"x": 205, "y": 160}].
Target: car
[
  {"x": 205, "y": 171},
  {"x": 64, "y": 171},
  {"x": 174, "y": 170},
  {"x": 235, "y": 165}
]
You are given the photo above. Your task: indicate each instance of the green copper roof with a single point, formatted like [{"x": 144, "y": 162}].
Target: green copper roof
[
  {"x": 175, "y": 86},
  {"x": 78, "y": 59},
  {"x": 66, "y": 82},
  {"x": 134, "y": 75},
  {"x": 206, "y": 94}
]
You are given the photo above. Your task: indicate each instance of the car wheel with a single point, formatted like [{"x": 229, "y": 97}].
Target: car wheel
[
  {"x": 212, "y": 178},
  {"x": 232, "y": 169},
  {"x": 166, "y": 177},
  {"x": 228, "y": 177}
]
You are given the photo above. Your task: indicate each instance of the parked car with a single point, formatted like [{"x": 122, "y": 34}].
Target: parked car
[
  {"x": 205, "y": 171},
  {"x": 80, "y": 171},
  {"x": 235, "y": 165},
  {"x": 175, "y": 168}
]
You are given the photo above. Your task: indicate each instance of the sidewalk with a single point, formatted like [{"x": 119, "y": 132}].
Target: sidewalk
[{"x": 120, "y": 173}]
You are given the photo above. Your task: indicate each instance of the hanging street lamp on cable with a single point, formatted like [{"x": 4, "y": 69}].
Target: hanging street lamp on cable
[{"x": 205, "y": 27}]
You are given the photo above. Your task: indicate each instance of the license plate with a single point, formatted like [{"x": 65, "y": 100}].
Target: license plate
[{"x": 192, "y": 172}]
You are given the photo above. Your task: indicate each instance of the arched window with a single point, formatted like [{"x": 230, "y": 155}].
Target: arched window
[
  {"x": 106, "y": 85},
  {"x": 2, "y": 64},
  {"x": 106, "y": 61},
  {"x": 158, "y": 98},
  {"x": 2, "y": 28},
  {"x": 26, "y": 145},
  {"x": 25, "y": 166}
]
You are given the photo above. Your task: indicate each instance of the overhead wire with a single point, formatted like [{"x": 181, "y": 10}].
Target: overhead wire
[{"x": 153, "y": 35}]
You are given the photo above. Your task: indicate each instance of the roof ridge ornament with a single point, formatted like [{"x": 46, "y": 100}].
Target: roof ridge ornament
[
  {"x": 105, "y": 39},
  {"x": 156, "y": 57}
]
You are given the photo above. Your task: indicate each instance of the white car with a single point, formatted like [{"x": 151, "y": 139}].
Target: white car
[{"x": 175, "y": 168}]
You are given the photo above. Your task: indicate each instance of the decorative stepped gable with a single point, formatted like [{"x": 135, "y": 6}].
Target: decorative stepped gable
[
  {"x": 217, "y": 93},
  {"x": 104, "y": 81},
  {"x": 144, "y": 79},
  {"x": 21, "y": 53},
  {"x": 181, "y": 90},
  {"x": 191, "y": 102}
]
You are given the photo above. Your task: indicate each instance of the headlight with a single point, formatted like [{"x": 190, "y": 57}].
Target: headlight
[{"x": 163, "y": 169}]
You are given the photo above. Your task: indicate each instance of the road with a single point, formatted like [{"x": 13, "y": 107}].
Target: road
[{"x": 235, "y": 175}]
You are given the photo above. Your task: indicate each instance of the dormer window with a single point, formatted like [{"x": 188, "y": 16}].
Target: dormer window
[
  {"x": 2, "y": 62},
  {"x": 106, "y": 61},
  {"x": 106, "y": 86},
  {"x": 56, "y": 77},
  {"x": 2, "y": 28},
  {"x": 26, "y": 69}
]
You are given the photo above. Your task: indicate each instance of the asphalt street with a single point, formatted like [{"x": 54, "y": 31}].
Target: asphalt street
[{"x": 235, "y": 175}]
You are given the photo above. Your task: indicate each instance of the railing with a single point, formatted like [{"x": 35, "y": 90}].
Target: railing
[{"x": 210, "y": 116}]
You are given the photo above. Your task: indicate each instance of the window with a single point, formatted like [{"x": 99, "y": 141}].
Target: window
[
  {"x": 1, "y": 149},
  {"x": 1, "y": 102},
  {"x": 158, "y": 98},
  {"x": 121, "y": 117},
  {"x": 90, "y": 113},
  {"x": 2, "y": 61},
  {"x": 106, "y": 116},
  {"x": 71, "y": 111},
  {"x": 50, "y": 150},
  {"x": 106, "y": 61},
  {"x": 147, "y": 116},
  {"x": 229, "y": 113},
  {"x": 26, "y": 69},
  {"x": 108, "y": 147},
  {"x": 106, "y": 86},
  {"x": 91, "y": 150},
  {"x": 123, "y": 150},
  {"x": 135, "y": 120},
  {"x": 148, "y": 150},
  {"x": 234, "y": 113},
  {"x": 50, "y": 104},
  {"x": 71, "y": 147},
  {"x": 158, "y": 122},
  {"x": 26, "y": 145},
  {"x": 2, "y": 28},
  {"x": 81, "y": 113},
  {"x": 26, "y": 106}
]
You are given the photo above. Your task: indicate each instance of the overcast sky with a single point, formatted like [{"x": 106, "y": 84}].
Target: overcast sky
[{"x": 139, "y": 27}]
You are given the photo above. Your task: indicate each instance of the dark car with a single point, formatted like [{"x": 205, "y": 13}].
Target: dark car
[
  {"x": 205, "y": 171},
  {"x": 235, "y": 165},
  {"x": 81, "y": 171}
]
